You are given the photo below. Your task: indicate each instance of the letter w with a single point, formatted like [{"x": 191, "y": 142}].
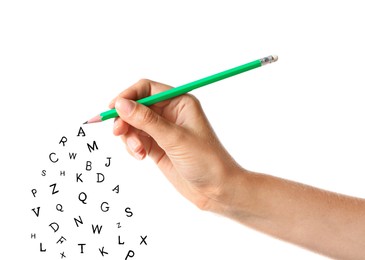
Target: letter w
[
  {"x": 72, "y": 155},
  {"x": 96, "y": 228}
]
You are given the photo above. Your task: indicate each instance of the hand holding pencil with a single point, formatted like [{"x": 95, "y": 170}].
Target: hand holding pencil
[
  {"x": 167, "y": 132},
  {"x": 176, "y": 134}
]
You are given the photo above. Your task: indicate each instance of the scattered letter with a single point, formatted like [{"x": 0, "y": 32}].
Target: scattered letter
[
  {"x": 50, "y": 157},
  {"x": 116, "y": 189},
  {"x": 36, "y": 212},
  {"x": 96, "y": 228},
  {"x": 82, "y": 247},
  {"x": 63, "y": 140},
  {"x": 72, "y": 156},
  {"x": 61, "y": 240},
  {"x": 106, "y": 208},
  {"x": 84, "y": 199},
  {"x": 54, "y": 226},
  {"x": 88, "y": 166},
  {"x": 143, "y": 240},
  {"x": 129, "y": 212},
  {"x": 102, "y": 252},
  {"x": 78, "y": 177},
  {"x": 59, "y": 207},
  {"x": 98, "y": 177},
  {"x": 81, "y": 132},
  {"x": 130, "y": 254},
  {"x": 108, "y": 162},
  {"x": 54, "y": 191},
  {"x": 93, "y": 147},
  {"x": 77, "y": 221},
  {"x": 41, "y": 249}
]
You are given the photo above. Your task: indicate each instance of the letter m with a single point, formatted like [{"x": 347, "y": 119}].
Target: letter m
[{"x": 93, "y": 147}]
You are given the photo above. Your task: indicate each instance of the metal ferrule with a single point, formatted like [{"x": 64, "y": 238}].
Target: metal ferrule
[{"x": 267, "y": 60}]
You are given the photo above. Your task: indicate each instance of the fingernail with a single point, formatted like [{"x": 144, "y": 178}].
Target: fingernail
[
  {"x": 138, "y": 156},
  {"x": 125, "y": 106}
]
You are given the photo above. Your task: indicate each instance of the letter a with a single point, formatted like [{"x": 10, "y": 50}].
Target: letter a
[
  {"x": 81, "y": 132},
  {"x": 116, "y": 189}
]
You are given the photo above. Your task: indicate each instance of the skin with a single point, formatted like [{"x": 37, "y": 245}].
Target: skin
[{"x": 178, "y": 137}]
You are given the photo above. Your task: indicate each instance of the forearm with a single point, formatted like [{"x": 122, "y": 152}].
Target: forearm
[{"x": 318, "y": 220}]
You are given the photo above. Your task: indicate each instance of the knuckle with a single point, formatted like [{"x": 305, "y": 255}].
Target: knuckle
[
  {"x": 192, "y": 101},
  {"x": 144, "y": 81}
]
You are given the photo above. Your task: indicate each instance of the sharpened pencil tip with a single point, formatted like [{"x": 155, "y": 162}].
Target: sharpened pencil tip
[
  {"x": 95, "y": 119},
  {"x": 275, "y": 57}
]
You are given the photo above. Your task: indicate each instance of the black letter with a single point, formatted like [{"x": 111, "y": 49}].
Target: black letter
[
  {"x": 130, "y": 254},
  {"x": 32, "y": 236},
  {"x": 72, "y": 155},
  {"x": 63, "y": 173},
  {"x": 107, "y": 207},
  {"x": 63, "y": 140},
  {"x": 61, "y": 240},
  {"x": 59, "y": 207},
  {"x": 143, "y": 240},
  {"x": 54, "y": 191},
  {"x": 55, "y": 229},
  {"x": 120, "y": 243},
  {"x": 96, "y": 228},
  {"x": 108, "y": 163},
  {"x": 82, "y": 248},
  {"x": 85, "y": 197},
  {"x": 116, "y": 189},
  {"x": 88, "y": 166},
  {"x": 78, "y": 177},
  {"x": 81, "y": 131},
  {"x": 42, "y": 250},
  {"x": 92, "y": 147},
  {"x": 129, "y": 213},
  {"x": 50, "y": 157},
  {"x": 78, "y": 221},
  {"x": 44, "y": 172},
  {"x": 98, "y": 179},
  {"x": 102, "y": 251},
  {"x": 36, "y": 212},
  {"x": 34, "y": 191}
]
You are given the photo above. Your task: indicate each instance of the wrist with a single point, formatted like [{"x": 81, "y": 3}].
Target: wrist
[{"x": 234, "y": 197}]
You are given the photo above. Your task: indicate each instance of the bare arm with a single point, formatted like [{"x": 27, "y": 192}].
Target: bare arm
[{"x": 321, "y": 221}]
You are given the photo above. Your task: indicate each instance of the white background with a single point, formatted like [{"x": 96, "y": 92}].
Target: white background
[{"x": 61, "y": 62}]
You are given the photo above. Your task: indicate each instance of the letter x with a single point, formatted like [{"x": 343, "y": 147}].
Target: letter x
[
  {"x": 143, "y": 240},
  {"x": 62, "y": 255}
]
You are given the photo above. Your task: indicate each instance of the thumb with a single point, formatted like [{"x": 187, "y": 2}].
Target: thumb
[{"x": 141, "y": 117}]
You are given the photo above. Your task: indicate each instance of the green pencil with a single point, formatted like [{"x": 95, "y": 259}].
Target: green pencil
[{"x": 174, "y": 92}]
